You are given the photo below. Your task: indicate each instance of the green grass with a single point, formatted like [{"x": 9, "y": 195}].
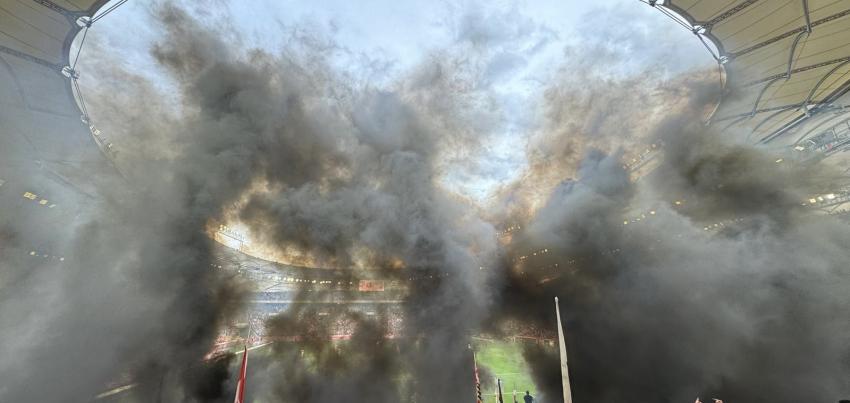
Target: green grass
[{"x": 504, "y": 360}]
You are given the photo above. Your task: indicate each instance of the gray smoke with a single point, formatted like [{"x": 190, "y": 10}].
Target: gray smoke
[
  {"x": 342, "y": 170},
  {"x": 662, "y": 309},
  {"x": 134, "y": 298},
  {"x": 357, "y": 174}
]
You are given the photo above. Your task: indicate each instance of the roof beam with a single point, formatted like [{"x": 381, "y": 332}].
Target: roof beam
[
  {"x": 733, "y": 55},
  {"x": 753, "y": 113},
  {"x": 728, "y": 13},
  {"x": 797, "y": 70},
  {"x": 761, "y": 94},
  {"x": 71, "y": 15},
  {"x": 31, "y": 58},
  {"x": 822, "y": 80},
  {"x": 816, "y": 128},
  {"x": 782, "y": 130},
  {"x": 806, "y": 14},
  {"x": 763, "y": 122},
  {"x": 824, "y": 105}
]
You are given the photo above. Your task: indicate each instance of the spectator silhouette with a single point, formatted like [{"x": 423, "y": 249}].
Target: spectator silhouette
[{"x": 528, "y": 398}]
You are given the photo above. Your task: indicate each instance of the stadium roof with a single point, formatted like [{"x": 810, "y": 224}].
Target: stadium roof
[
  {"x": 48, "y": 147},
  {"x": 50, "y": 159},
  {"x": 786, "y": 63},
  {"x": 41, "y": 30}
]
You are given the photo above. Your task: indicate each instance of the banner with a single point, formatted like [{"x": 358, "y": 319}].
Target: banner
[{"x": 371, "y": 285}]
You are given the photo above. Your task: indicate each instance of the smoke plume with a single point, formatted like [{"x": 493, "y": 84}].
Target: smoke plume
[{"x": 659, "y": 303}]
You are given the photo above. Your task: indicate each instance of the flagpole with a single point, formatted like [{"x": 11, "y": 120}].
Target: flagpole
[
  {"x": 478, "y": 398},
  {"x": 243, "y": 375},
  {"x": 565, "y": 371},
  {"x": 499, "y": 386}
]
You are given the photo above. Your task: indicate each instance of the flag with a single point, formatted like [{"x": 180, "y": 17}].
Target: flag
[
  {"x": 240, "y": 384},
  {"x": 499, "y": 386},
  {"x": 565, "y": 371},
  {"x": 478, "y": 398}
]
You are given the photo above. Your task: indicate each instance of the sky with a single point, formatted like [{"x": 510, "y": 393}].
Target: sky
[{"x": 511, "y": 50}]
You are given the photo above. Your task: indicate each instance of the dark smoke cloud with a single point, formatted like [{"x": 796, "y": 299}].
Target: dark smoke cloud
[
  {"x": 135, "y": 297},
  {"x": 306, "y": 161},
  {"x": 588, "y": 106},
  {"x": 368, "y": 367},
  {"x": 346, "y": 178},
  {"x": 351, "y": 175},
  {"x": 664, "y": 310},
  {"x": 134, "y": 293}
]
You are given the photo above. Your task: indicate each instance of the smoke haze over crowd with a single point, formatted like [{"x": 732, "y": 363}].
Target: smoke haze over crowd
[{"x": 322, "y": 167}]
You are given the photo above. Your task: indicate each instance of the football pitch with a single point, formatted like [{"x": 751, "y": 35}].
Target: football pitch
[
  {"x": 496, "y": 359},
  {"x": 503, "y": 360}
]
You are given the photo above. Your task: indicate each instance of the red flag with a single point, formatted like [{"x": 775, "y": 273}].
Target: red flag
[
  {"x": 478, "y": 398},
  {"x": 243, "y": 372}
]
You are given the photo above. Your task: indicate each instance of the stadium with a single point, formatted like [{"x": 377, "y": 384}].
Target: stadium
[{"x": 281, "y": 231}]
